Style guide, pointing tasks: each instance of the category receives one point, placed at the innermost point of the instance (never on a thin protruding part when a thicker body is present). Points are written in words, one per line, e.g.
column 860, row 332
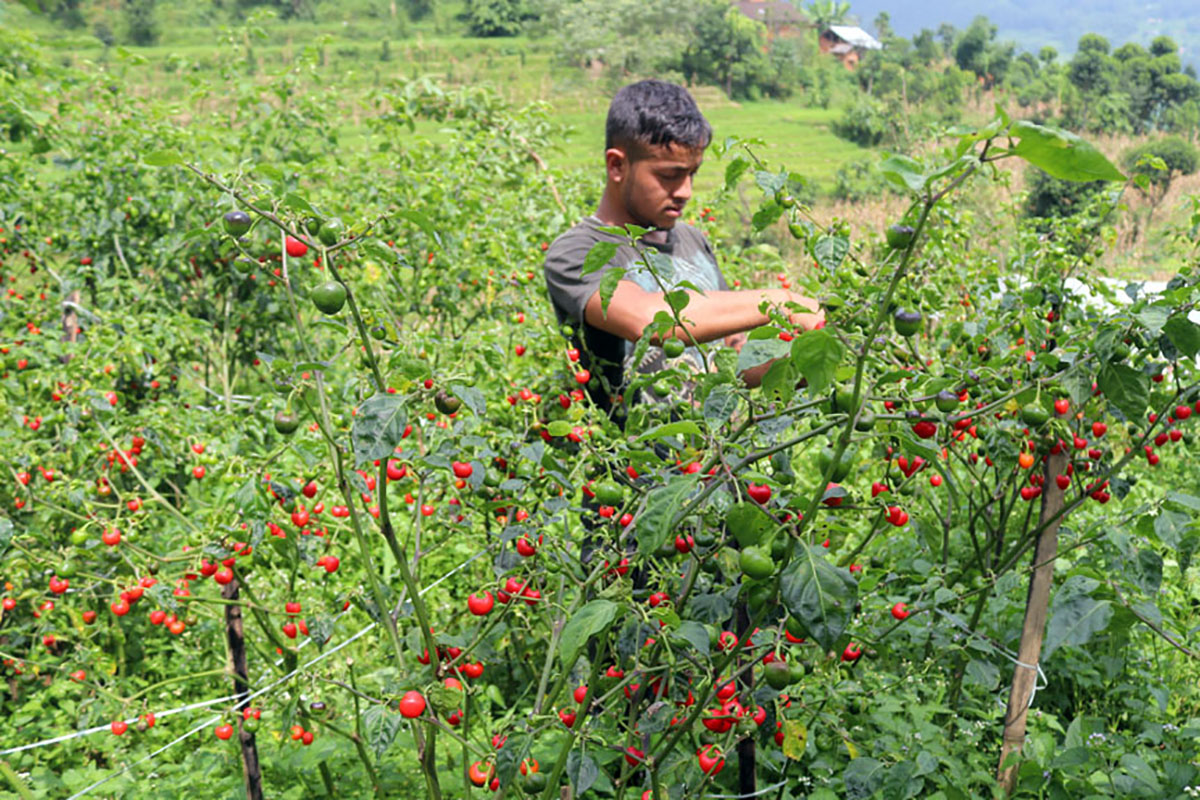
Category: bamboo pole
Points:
column 1034, row 630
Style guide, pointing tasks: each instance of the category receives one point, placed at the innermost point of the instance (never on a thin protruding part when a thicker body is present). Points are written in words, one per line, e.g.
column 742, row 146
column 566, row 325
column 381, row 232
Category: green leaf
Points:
column 829, row 251
column 600, row 254
column 581, row 772
column 378, row 428
column 1076, row 622
column 1184, row 334
column 6, row 534
column 1185, row 500
column 927, row 764
column 1154, row 318
column 817, row 354
column 904, row 172
column 1170, row 525
column 381, row 724
column 770, row 182
column 983, row 673
column 1126, row 388
column 719, row 406
column 472, row 398
column 320, row 630
column 422, row 222
column 734, row 170
column 766, row 215
column 657, row 522
column 760, row 351
column 1072, row 757
column 559, row 427
column 694, row 634
column 1141, row 771
column 671, row 429
column 163, row 158
column 1147, row 571
column 608, row 285
column 591, row 620
column 298, row 203
column 863, row 777
column 820, row 595
column 780, row 380
column 678, row 300
column 1061, row 154
column 510, row 757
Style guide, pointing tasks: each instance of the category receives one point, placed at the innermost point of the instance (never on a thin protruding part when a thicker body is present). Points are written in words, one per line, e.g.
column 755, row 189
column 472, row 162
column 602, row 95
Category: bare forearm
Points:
column 753, row 376
column 716, row 315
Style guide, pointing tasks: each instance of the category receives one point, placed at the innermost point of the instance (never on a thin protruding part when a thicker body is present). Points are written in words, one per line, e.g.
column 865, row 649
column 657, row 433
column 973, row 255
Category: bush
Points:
column 859, row 180
column 104, row 33
column 141, row 25
column 864, row 123
column 1178, row 156
column 494, row 18
column 1054, row 197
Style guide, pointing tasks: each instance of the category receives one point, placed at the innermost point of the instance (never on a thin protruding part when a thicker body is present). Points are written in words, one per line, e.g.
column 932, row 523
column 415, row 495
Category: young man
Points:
column 654, row 143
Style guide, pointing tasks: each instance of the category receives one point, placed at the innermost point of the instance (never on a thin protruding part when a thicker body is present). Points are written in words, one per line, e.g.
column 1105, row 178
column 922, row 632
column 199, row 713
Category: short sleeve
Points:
column 569, row 288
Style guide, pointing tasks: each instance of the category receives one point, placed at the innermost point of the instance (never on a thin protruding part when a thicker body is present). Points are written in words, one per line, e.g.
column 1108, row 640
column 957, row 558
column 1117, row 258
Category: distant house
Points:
column 780, row 17
column 847, row 42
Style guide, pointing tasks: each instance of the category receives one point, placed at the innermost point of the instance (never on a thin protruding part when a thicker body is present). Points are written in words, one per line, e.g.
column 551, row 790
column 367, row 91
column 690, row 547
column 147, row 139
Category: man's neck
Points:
column 612, row 213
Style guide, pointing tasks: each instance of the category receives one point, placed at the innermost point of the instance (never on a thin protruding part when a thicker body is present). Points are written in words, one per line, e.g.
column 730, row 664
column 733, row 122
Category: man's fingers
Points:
column 809, row 322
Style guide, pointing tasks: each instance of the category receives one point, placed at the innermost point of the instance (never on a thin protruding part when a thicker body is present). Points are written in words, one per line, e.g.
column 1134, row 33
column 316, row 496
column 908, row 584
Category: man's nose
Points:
column 683, row 192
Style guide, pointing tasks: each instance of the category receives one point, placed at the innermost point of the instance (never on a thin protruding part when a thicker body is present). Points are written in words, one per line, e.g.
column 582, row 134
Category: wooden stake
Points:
column 1034, row 629
column 235, row 635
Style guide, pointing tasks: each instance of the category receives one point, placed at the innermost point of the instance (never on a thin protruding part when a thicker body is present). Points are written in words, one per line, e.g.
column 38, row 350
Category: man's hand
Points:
column 814, row 319
column 736, row 341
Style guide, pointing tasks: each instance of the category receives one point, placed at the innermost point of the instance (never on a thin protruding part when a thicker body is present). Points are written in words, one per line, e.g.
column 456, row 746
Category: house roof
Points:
column 856, row 36
column 772, row 11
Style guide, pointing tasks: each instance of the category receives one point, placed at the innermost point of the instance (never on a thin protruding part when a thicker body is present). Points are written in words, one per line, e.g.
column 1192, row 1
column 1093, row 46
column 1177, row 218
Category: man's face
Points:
column 656, row 187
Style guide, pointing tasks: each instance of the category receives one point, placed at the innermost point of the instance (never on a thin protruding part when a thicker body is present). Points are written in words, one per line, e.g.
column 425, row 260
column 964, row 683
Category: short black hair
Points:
column 654, row 112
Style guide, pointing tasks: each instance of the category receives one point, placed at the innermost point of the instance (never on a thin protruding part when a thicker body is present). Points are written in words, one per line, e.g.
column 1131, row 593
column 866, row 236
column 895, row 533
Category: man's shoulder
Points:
column 582, row 235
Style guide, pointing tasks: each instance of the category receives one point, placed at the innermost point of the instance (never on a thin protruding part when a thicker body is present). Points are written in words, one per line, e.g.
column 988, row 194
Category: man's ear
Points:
column 616, row 162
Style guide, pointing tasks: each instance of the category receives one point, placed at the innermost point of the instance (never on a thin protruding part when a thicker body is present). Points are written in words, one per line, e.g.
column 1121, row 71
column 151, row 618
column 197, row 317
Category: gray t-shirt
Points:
column 683, row 255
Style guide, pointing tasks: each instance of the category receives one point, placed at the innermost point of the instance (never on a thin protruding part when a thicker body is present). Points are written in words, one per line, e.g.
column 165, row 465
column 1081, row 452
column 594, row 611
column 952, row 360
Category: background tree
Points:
column 627, row 36
column 141, row 23
column 978, row 51
column 726, row 48
column 1157, row 164
column 494, row 17
column 883, row 27
column 824, row 13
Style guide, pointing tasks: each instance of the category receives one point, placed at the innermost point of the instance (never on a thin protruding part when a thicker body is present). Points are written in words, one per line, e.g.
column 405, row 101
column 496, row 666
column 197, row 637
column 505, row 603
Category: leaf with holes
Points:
column 819, row 595
column 657, row 522
column 378, row 428
column 829, row 251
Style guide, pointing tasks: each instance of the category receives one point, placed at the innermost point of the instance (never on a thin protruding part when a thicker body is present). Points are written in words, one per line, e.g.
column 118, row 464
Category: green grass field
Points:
column 521, row 69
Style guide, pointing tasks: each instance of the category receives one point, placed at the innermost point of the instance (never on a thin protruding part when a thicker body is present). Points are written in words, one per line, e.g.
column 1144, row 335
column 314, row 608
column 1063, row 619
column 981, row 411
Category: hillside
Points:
column 1033, row 25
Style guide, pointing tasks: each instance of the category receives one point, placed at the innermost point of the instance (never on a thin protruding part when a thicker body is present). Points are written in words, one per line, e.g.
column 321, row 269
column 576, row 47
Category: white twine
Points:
column 752, row 794
column 205, row 703
column 1004, row 651
column 208, row 722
